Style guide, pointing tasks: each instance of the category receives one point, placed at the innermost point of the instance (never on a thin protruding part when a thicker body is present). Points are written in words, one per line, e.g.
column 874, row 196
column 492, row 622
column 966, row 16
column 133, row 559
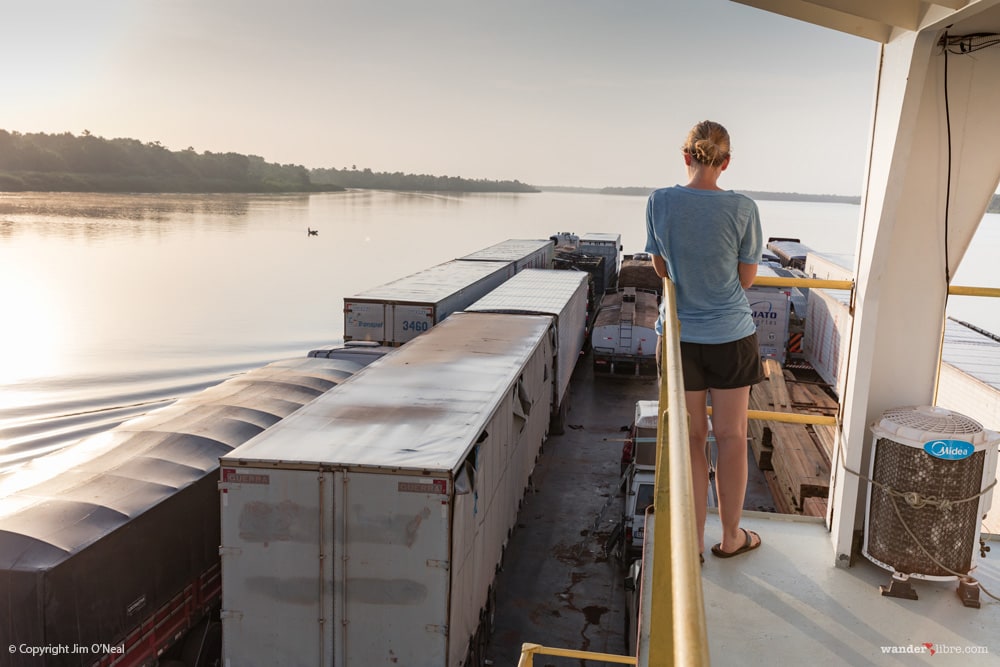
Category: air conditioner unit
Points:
column 929, row 466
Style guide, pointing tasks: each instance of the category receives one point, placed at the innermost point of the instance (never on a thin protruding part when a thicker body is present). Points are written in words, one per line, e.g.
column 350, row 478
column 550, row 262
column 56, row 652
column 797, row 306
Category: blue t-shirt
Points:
column 703, row 235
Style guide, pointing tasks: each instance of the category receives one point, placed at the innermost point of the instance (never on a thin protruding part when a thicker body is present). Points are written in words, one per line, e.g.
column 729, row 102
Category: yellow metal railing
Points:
column 961, row 290
column 529, row 651
column 676, row 624
column 778, row 281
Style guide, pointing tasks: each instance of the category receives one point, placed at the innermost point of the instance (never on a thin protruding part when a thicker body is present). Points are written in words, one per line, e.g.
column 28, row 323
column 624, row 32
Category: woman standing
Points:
column 708, row 241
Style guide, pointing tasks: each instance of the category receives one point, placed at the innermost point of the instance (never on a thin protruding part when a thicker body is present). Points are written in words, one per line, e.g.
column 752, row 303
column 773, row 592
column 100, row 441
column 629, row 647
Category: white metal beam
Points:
column 826, row 17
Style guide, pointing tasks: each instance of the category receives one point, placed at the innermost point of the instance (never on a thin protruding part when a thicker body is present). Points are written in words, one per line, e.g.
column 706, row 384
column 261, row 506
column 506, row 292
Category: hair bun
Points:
column 708, row 143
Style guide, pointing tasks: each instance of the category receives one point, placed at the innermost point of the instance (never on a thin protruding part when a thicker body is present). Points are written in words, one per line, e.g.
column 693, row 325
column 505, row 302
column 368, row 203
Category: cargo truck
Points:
column 561, row 295
column 623, row 340
column 112, row 544
column 400, row 310
column 366, row 529
column 525, row 253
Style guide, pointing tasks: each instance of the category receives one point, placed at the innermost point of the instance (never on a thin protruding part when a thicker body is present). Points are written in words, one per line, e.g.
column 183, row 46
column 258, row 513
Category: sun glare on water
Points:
column 30, row 331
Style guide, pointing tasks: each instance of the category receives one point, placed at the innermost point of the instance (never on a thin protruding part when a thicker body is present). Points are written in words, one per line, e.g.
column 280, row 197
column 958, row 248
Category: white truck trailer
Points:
column 561, row 295
column 366, row 529
column 525, row 253
column 400, row 310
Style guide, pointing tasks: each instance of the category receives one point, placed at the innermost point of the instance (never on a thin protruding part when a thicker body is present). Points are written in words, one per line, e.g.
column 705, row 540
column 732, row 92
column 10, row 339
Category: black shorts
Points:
column 722, row 365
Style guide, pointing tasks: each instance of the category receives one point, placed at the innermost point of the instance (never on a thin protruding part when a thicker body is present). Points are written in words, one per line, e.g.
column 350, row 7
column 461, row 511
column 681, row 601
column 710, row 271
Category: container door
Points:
column 411, row 321
column 277, row 551
column 365, row 321
column 395, row 570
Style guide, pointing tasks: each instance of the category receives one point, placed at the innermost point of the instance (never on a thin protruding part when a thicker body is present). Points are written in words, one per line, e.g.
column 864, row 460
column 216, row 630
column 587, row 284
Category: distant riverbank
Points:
column 754, row 194
column 994, row 206
column 40, row 162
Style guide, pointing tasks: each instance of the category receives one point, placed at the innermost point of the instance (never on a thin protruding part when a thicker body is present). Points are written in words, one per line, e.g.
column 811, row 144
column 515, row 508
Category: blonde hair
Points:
column 707, row 143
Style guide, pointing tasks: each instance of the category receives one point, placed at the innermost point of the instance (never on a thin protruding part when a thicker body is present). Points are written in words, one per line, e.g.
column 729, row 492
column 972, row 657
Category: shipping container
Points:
column 367, row 528
column 524, row 253
column 770, row 307
column 608, row 246
column 113, row 542
column 400, row 310
column 561, row 295
column 827, row 335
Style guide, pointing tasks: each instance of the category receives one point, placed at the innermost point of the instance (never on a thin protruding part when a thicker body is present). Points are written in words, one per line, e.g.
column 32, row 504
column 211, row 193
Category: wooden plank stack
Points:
column 795, row 458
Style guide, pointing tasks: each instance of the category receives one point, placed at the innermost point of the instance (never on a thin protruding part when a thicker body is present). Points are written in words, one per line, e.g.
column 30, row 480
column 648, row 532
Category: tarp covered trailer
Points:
column 112, row 544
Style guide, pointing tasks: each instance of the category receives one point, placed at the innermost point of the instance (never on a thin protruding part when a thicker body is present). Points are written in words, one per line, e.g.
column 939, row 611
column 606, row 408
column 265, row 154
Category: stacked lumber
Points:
column 814, row 507
column 795, row 458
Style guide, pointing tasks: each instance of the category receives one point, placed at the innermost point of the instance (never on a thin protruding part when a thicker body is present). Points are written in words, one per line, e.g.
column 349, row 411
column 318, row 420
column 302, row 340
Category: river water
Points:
column 112, row 305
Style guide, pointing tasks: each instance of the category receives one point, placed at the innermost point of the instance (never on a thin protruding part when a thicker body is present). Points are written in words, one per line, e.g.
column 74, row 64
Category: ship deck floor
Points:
column 786, row 602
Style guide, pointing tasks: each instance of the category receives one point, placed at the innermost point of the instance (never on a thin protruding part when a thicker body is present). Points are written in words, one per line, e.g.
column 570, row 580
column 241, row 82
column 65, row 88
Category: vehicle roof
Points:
column 510, row 250
column 420, row 408
column 435, row 283
column 58, row 504
column 533, row 290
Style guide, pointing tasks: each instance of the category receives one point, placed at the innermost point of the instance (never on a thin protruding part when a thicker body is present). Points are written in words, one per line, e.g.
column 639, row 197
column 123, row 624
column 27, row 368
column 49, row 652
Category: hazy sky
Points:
column 551, row 92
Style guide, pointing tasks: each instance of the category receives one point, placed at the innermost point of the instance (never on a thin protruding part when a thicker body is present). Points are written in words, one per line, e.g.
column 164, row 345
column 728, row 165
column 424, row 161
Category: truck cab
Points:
column 639, row 465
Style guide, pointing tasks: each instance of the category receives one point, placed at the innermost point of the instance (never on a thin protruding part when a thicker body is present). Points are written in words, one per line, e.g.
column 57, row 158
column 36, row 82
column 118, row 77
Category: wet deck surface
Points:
column 785, row 602
column 558, row 586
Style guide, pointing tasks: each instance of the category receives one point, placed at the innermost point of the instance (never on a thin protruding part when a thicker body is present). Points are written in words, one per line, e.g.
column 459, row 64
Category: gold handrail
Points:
column 529, row 651
column 790, row 417
column 823, row 283
column 962, row 290
column 676, row 627
column 779, row 281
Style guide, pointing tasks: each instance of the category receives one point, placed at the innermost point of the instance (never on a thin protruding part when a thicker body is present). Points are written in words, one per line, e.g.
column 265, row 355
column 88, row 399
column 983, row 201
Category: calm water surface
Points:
column 112, row 305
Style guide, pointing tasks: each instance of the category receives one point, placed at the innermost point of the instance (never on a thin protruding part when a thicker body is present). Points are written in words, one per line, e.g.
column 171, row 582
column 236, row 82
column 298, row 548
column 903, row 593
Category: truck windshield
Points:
column 643, row 498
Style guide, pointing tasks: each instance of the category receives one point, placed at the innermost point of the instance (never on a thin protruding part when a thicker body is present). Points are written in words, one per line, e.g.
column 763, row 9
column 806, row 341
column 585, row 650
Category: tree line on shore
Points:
column 993, row 207
column 366, row 178
column 87, row 163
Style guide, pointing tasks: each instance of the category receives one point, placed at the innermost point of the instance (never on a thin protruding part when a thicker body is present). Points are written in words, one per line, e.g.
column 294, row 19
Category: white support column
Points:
column 901, row 275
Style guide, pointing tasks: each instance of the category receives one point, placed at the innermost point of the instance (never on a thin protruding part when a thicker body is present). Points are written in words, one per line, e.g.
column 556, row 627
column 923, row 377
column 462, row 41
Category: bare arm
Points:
column 747, row 273
column 660, row 266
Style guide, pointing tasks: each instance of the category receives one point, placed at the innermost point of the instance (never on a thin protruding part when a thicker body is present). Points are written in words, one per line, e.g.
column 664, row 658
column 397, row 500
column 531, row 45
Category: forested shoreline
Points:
column 67, row 163
column 366, row 178
column 86, row 163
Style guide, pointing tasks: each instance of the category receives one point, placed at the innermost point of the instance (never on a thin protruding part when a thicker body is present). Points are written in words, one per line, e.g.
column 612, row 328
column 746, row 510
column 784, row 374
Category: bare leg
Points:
column 697, row 437
column 729, row 425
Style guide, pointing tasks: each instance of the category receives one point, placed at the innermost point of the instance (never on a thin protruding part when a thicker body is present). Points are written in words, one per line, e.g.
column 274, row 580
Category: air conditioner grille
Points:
column 932, row 420
column 947, row 534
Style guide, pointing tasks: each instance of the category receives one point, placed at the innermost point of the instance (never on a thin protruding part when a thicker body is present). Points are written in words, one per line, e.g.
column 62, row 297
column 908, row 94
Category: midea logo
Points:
column 949, row 450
